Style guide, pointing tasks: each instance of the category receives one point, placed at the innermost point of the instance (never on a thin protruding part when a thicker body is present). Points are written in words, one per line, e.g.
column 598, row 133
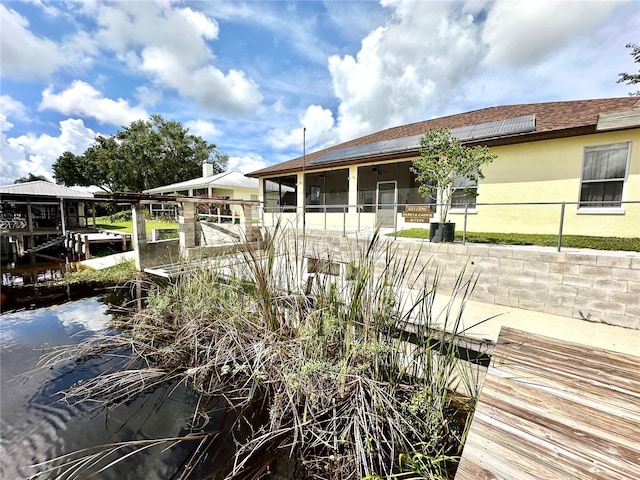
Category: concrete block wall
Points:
column 593, row 286
column 162, row 252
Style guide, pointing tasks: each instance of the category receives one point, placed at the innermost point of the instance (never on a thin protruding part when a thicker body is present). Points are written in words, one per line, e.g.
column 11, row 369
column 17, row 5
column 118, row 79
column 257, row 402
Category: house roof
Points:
column 41, row 188
column 551, row 120
column 229, row 180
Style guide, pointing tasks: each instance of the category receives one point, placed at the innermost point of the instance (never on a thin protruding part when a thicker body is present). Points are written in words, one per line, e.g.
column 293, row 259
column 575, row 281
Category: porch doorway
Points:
column 386, row 204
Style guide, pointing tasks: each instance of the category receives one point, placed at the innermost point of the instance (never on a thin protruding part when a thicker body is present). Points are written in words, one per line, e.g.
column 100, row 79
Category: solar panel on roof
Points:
column 501, row 128
column 385, row 146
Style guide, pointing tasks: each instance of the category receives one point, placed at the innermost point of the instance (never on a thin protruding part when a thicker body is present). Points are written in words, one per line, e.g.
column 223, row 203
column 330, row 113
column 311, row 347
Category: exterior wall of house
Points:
column 244, row 193
column 537, row 172
column 550, row 171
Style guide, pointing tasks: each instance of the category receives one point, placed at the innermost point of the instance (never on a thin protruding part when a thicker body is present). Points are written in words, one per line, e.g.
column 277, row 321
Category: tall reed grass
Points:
column 316, row 367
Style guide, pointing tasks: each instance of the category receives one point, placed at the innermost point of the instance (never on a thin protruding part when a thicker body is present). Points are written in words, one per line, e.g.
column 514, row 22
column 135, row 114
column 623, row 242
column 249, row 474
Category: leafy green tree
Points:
column 146, row 154
column 32, row 178
column 443, row 159
column 632, row 78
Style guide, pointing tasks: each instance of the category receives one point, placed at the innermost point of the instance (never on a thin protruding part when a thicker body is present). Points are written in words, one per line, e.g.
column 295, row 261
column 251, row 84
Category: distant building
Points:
column 225, row 185
column 33, row 213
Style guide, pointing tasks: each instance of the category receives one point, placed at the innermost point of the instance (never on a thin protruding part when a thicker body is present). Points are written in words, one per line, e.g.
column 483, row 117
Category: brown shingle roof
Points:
column 552, row 119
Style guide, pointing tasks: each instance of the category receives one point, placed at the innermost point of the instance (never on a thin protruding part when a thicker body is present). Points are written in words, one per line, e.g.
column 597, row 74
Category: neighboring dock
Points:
column 552, row 409
column 80, row 242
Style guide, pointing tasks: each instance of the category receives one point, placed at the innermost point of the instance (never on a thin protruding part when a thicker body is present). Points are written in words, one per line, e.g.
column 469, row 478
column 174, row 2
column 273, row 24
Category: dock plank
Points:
column 551, row 409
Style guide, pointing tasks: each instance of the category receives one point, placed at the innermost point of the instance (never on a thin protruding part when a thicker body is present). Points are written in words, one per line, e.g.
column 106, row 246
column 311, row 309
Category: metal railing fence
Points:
column 362, row 217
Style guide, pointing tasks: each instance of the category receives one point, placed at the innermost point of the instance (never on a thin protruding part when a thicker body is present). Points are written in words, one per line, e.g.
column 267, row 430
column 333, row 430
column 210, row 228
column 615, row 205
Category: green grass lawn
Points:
column 127, row 226
column 568, row 241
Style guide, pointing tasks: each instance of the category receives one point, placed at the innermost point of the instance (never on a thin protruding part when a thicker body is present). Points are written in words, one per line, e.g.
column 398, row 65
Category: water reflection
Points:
column 33, row 269
column 37, row 425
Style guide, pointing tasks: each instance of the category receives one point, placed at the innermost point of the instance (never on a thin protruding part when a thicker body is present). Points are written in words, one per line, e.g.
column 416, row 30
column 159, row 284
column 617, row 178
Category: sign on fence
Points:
column 417, row 213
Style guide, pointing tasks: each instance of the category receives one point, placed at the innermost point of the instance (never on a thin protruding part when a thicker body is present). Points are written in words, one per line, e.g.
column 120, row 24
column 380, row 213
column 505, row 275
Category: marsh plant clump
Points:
column 316, row 369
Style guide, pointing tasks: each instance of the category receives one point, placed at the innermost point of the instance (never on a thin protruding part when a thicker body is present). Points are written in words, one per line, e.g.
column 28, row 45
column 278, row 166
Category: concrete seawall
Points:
column 595, row 286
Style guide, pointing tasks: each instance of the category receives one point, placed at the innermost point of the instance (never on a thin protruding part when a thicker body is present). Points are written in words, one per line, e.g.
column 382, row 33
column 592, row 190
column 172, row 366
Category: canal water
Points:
column 36, row 424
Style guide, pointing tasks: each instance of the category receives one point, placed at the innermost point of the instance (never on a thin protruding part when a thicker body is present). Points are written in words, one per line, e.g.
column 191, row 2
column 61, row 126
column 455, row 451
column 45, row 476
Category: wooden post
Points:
column 139, row 235
column 87, row 253
column 29, row 217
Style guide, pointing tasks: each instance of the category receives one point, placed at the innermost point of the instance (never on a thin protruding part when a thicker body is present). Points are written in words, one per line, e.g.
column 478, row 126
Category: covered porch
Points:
column 358, row 197
column 39, row 213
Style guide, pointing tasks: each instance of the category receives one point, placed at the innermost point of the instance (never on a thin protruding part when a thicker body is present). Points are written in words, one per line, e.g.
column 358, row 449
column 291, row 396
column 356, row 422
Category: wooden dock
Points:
column 551, row 409
column 80, row 242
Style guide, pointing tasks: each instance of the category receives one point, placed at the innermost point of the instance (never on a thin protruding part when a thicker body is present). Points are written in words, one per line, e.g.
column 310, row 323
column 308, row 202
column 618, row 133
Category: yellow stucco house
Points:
column 584, row 153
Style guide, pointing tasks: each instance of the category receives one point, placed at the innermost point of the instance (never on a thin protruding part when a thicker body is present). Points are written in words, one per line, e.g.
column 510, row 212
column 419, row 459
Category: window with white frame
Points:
column 604, row 171
column 463, row 192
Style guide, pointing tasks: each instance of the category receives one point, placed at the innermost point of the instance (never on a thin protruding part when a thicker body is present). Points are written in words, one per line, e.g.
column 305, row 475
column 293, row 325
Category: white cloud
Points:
column 36, row 154
column 84, row 100
column 319, row 123
column 12, row 108
column 405, row 67
column 130, row 25
column 403, row 70
column 48, row 8
column 206, row 27
column 5, row 125
column 43, row 57
column 148, row 96
column 170, row 44
column 246, row 164
column 583, row 65
column 210, row 87
column 437, row 58
column 521, row 32
column 92, row 315
column 202, row 128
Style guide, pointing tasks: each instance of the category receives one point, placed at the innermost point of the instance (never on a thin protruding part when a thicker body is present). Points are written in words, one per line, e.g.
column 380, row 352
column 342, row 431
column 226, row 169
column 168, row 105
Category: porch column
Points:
column 63, row 220
column 187, row 227
column 29, row 216
column 82, row 214
column 353, row 188
column 139, row 236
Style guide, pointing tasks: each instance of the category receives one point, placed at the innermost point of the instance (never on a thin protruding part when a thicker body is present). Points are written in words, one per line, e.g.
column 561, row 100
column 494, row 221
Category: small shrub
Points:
column 122, row 216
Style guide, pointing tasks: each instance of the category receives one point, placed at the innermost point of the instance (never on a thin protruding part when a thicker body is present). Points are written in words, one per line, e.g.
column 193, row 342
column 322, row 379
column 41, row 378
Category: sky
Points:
column 250, row 76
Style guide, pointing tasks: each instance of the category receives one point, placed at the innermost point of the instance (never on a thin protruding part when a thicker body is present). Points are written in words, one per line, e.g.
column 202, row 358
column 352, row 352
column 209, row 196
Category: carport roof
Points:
column 41, row 188
column 229, row 179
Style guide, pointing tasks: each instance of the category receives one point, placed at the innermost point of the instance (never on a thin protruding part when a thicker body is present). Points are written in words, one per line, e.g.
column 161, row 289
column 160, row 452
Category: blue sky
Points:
column 249, row 76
